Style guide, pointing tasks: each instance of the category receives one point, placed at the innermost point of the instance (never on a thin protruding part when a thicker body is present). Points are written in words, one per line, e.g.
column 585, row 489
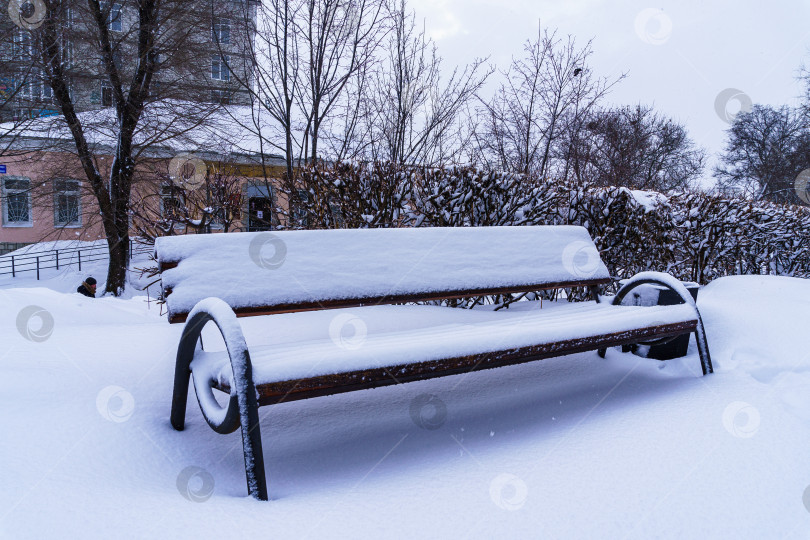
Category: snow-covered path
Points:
column 570, row 447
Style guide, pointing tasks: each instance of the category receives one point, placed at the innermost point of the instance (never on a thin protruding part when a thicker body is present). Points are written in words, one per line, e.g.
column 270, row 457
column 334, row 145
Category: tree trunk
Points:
column 119, row 262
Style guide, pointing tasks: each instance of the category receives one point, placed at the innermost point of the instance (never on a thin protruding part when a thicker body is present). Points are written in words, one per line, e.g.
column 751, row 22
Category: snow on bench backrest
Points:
column 265, row 272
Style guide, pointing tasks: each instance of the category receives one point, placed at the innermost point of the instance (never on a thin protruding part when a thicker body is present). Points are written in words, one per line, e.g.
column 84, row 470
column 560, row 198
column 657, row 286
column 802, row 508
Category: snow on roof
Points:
column 298, row 267
column 174, row 126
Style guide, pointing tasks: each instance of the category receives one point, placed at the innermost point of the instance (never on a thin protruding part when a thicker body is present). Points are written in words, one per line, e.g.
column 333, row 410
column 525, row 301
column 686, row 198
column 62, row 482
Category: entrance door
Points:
column 259, row 213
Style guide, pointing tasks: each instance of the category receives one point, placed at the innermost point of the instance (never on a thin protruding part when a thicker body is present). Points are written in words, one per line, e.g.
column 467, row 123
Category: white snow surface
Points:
column 650, row 200
column 571, row 447
column 265, row 269
column 69, row 277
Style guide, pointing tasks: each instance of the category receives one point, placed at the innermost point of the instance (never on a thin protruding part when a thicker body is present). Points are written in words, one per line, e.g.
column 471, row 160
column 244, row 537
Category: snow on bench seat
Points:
column 464, row 333
column 295, row 270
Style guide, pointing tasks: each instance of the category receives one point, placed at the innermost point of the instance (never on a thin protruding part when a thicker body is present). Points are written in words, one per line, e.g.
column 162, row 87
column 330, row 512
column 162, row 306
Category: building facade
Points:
column 44, row 196
column 202, row 54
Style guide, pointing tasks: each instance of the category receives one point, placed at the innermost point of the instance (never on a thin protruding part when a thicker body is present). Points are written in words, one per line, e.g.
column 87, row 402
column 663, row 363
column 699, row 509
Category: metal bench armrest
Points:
column 669, row 282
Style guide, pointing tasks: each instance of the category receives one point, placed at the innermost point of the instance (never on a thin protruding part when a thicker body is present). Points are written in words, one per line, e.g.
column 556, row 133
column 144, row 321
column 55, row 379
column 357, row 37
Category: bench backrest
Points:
column 276, row 272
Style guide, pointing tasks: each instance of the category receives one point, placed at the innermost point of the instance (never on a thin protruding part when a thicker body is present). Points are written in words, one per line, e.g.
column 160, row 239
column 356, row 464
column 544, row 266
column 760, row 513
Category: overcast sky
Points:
column 679, row 55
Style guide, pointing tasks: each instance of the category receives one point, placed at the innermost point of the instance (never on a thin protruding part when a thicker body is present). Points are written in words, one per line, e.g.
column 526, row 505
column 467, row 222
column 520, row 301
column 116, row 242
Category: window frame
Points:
column 221, row 61
column 118, row 20
column 23, row 43
column 300, row 210
column 108, row 87
column 33, row 87
column 220, row 96
column 218, row 24
column 174, row 194
column 57, row 193
column 5, row 202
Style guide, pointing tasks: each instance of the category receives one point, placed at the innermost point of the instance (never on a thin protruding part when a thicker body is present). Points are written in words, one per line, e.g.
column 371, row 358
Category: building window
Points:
column 221, row 30
column 67, row 203
column 67, row 53
column 118, row 61
column 23, row 44
column 106, row 95
column 260, row 208
column 171, row 202
column 155, row 88
column 223, row 97
column 34, row 86
column 19, row 113
column 114, row 16
column 219, row 68
column 17, row 201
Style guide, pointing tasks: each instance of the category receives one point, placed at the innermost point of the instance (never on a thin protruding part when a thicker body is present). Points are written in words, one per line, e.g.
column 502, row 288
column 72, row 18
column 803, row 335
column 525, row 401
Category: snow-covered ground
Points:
column 68, row 277
column 570, row 447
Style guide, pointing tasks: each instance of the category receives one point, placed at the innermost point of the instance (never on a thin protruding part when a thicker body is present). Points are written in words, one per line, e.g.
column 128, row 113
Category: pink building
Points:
column 45, row 195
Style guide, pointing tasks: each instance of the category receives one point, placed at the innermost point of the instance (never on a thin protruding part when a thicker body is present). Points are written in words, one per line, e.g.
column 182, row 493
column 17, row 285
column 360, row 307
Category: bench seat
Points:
column 465, row 340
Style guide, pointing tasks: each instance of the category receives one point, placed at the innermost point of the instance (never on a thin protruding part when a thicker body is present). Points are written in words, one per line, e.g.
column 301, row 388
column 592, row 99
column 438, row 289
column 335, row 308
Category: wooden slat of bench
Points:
column 397, row 299
column 273, row 393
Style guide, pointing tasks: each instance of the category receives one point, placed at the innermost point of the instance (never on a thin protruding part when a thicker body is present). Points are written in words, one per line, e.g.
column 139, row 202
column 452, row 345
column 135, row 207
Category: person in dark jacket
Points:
column 88, row 287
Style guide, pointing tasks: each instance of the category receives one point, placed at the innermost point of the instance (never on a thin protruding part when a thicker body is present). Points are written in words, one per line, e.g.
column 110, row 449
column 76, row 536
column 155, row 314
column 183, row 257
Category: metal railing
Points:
column 62, row 258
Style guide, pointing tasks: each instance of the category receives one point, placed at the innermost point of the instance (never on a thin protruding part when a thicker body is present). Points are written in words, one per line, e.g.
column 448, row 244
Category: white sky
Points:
column 686, row 54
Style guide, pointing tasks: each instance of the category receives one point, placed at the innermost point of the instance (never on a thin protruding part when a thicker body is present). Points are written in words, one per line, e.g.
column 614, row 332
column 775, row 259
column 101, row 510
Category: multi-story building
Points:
column 202, row 54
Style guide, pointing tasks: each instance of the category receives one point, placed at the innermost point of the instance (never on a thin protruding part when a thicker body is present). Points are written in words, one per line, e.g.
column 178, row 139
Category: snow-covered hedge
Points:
column 694, row 235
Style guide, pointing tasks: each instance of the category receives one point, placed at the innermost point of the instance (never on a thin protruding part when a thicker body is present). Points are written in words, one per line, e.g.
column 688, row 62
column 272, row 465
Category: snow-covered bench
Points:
column 221, row 277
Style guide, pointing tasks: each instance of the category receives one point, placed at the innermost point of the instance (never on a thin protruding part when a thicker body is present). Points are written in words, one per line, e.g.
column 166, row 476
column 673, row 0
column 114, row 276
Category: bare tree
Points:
column 634, row 147
column 525, row 120
column 766, row 149
column 414, row 111
column 274, row 62
column 340, row 38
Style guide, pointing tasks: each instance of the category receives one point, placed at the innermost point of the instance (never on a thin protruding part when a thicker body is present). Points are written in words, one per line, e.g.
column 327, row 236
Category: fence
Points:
column 61, row 258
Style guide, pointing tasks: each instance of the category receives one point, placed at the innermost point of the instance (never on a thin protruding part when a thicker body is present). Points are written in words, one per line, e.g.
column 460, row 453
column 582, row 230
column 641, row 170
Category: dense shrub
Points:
column 692, row 235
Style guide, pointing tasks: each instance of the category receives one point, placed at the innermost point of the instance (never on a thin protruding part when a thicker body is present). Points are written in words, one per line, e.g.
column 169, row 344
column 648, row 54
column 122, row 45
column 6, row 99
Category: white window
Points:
column 171, row 202
column 34, row 86
column 20, row 113
column 23, row 44
column 67, row 53
column 106, row 94
column 67, row 42
column 45, row 90
column 221, row 30
column 222, row 97
column 219, row 68
column 114, row 16
column 66, row 203
column 16, row 201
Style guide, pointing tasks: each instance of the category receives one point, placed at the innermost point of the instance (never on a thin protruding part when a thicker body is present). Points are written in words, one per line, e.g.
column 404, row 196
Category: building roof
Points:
column 166, row 128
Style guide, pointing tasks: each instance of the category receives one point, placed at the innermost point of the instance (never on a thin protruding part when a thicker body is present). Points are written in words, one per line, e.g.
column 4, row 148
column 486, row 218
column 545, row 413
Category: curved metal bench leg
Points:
column 247, row 400
column 703, row 348
column 182, row 370
column 251, row 431
column 677, row 287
